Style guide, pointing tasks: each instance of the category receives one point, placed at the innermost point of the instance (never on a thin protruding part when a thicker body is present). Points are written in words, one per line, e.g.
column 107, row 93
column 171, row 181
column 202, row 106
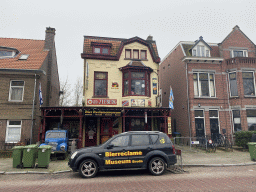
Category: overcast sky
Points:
column 168, row 21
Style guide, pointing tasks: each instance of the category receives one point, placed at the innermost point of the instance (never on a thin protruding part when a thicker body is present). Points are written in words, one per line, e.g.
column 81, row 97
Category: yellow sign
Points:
column 119, row 162
column 169, row 125
column 122, row 154
column 99, row 113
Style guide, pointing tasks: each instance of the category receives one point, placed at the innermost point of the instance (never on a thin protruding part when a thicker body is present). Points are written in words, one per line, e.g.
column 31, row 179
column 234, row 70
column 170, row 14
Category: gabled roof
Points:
column 201, row 40
column 235, row 29
column 33, row 48
column 116, row 46
column 187, row 47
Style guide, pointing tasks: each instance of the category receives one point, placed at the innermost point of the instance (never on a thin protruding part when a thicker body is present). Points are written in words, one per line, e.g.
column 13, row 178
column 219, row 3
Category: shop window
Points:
column 100, row 84
column 16, row 91
column 204, row 85
column 13, row 131
column 236, row 120
column 136, row 83
column 233, row 84
column 248, row 82
column 140, row 140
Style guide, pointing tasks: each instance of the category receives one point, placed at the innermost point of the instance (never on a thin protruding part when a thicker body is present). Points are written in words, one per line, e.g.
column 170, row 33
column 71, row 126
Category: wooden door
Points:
column 106, row 129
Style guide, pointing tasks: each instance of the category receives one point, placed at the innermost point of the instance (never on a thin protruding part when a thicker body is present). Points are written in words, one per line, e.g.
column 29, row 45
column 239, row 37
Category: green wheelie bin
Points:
column 252, row 150
column 44, row 154
column 17, row 153
column 29, row 155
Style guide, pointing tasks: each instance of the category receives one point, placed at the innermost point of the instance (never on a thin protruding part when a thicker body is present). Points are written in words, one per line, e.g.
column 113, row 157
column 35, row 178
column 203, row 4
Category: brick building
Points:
column 213, row 85
column 24, row 64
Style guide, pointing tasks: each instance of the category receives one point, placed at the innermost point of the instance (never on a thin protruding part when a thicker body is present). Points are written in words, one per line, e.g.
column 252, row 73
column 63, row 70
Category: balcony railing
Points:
column 241, row 60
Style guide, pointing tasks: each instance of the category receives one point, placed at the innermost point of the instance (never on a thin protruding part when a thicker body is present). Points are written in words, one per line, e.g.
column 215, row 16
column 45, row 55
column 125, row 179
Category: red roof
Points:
column 33, row 48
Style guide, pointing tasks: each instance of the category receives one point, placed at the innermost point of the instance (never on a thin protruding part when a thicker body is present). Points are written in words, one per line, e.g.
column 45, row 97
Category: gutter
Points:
column 188, row 106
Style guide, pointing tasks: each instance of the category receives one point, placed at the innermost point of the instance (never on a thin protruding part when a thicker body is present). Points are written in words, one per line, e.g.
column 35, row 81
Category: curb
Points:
column 218, row 165
column 65, row 171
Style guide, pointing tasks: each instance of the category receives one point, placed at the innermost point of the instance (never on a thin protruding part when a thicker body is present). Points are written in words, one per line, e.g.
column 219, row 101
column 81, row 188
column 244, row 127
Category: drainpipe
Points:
column 33, row 109
column 188, row 107
column 229, row 110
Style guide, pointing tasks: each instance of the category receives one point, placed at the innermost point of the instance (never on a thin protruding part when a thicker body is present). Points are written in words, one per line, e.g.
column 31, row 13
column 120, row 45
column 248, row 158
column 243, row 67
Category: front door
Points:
column 106, row 129
column 199, row 127
column 214, row 128
column 91, row 132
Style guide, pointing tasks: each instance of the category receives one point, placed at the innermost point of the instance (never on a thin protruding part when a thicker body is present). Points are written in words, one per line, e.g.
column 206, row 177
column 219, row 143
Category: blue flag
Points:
column 40, row 95
column 171, row 99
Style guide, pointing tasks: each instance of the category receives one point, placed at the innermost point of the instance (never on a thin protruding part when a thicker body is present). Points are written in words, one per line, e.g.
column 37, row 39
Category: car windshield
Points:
column 55, row 135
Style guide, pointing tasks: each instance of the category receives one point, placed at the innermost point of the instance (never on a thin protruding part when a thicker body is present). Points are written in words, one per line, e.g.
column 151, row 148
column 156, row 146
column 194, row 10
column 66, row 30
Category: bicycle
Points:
column 211, row 147
column 219, row 140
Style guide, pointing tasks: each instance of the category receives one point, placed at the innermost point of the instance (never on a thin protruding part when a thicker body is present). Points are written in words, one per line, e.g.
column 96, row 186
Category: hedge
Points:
column 243, row 137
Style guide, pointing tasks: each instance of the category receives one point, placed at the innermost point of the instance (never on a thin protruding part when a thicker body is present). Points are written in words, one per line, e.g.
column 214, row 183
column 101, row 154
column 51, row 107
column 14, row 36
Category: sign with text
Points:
column 138, row 102
column 101, row 101
column 102, row 113
column 169, row 125
column 195, row 142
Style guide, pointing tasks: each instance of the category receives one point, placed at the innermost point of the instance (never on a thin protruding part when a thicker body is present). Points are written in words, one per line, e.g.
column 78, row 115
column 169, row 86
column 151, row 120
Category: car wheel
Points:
column 157, row 166
column 88, row 168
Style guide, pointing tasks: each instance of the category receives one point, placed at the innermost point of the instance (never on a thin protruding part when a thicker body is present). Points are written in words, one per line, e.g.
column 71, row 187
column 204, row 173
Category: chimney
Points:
column 150, row 38
column 49, row 38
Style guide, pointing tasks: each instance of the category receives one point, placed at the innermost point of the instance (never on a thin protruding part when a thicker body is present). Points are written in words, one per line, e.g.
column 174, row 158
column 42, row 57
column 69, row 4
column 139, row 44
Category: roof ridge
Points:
column 22, row 39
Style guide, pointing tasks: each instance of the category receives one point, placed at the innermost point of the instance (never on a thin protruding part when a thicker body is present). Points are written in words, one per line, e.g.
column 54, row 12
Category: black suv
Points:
column 151, row 150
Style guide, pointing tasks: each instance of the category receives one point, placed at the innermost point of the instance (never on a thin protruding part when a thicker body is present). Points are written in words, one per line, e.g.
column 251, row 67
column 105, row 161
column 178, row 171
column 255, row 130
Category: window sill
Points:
column 196, row 97
column 135, row 59
column 15, row 101
column 249, row 96
column 100, row 97
column 234, row 97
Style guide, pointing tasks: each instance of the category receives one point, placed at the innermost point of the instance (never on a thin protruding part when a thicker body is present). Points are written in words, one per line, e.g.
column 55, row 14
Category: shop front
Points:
column 91, row 126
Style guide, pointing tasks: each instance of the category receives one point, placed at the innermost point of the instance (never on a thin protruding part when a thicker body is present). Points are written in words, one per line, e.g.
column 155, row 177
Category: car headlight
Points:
column 73, row 155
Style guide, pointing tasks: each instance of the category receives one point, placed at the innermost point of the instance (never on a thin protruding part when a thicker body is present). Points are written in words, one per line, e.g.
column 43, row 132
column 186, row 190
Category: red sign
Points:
column 125, row 103
column 101, row 101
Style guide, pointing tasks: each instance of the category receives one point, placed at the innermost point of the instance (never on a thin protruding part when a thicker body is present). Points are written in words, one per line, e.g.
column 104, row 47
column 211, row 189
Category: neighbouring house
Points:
column 213, row 85
column 25, row 65
column 120, row 93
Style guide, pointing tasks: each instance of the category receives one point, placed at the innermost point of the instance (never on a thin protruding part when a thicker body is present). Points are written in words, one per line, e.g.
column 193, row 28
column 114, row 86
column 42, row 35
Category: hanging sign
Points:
column 169, row 125
column 154, row 86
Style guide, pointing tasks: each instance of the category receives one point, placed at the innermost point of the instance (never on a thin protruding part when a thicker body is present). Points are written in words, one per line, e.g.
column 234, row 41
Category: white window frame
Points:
column 12, row 126
column 245, row 52
column 233, row 119
column 253, row 82
column 202, row 49
column 201, row 118
column 10, row 91
column 230, row 84
column 199, row 87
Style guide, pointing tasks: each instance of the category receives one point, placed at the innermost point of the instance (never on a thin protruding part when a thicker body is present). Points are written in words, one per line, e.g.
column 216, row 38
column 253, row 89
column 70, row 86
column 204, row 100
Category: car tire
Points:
column 157, row 166
column 88, row 168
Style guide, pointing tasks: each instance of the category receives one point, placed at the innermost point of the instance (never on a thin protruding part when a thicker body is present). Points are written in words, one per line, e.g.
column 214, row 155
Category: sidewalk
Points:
column 193, row 157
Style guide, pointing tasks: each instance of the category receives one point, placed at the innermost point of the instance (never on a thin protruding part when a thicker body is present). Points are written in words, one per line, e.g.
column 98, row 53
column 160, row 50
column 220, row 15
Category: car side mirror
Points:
column 110, row 146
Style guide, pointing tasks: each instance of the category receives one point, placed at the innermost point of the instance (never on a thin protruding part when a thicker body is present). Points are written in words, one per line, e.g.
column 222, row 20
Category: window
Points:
column 251, row 120
column 135, row 54
column 194, row 53
column 248, row 82
column 143, row 54
column 16, row 91
column 128, row 54
column 236, row 120
column 154, row 138
column 121, row 141
column 207, row 53
column 136, row 83
column 204, row 84
column 13, row 131
column 239, row 53
column 6, row 54
column 139, row 140
column 23, row 57
column 200, row 51
column 101, row 50
column 100, row 84
column 233, row 84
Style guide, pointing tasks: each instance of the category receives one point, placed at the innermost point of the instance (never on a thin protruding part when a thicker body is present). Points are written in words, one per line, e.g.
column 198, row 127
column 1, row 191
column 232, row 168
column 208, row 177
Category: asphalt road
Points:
column 238, row 178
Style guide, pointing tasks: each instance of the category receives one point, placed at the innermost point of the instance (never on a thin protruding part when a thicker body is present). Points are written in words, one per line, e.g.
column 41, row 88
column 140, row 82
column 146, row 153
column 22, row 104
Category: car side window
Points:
column 140, row 140
column 121, row 141
column 154, row 138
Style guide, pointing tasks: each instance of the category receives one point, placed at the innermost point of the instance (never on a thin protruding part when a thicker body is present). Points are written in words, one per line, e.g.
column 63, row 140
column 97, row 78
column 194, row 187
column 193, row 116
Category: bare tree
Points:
column 65, row 97
column 78, row 92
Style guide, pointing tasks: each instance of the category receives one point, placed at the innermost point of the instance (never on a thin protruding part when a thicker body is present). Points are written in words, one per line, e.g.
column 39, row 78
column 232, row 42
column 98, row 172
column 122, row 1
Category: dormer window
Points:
column 101, row 48
column 200, row 51
column 6, row 54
